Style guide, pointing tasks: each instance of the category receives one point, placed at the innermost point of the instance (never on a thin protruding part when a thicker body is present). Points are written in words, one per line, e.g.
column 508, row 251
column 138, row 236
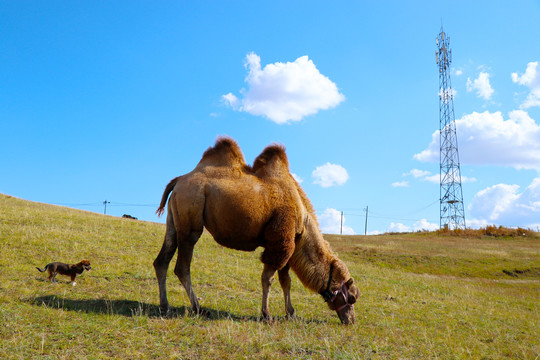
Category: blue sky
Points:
column 109, row 100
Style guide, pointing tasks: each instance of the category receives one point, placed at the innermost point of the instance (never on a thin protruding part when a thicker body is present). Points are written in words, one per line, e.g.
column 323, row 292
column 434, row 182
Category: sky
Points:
column 109, row 100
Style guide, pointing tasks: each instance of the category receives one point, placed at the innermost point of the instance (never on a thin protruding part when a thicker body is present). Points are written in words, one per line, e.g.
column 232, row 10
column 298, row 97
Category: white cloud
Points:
column 397, row 227
column 400, row 184
column 330, row 174
column 436, row 179
column 504, row 204
column 467, row 179
column 330, row 222
column 285, row 92
column 459, row 72
column 417, row 173
column 425, row 225
column 477, row 223
column 424, row 175
column 488, row 139
column 531, row 79
column 490, row 202
column 481, row 85
column 420, row 225
column 231, row 100
column 297, row 178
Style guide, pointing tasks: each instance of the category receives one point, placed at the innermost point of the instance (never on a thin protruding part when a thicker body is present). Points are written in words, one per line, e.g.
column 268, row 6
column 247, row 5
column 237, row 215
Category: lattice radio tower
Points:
column 451, row 195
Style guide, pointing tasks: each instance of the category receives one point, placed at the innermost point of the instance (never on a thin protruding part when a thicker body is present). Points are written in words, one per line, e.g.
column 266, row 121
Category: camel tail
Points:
column 168, row 189
column 44, row 269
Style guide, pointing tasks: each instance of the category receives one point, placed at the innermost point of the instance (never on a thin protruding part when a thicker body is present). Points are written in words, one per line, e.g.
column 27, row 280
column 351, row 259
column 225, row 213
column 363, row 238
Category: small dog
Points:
column 66, row 269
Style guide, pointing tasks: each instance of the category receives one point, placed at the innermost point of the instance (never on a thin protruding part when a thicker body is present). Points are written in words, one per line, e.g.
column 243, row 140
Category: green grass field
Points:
column 423, row 296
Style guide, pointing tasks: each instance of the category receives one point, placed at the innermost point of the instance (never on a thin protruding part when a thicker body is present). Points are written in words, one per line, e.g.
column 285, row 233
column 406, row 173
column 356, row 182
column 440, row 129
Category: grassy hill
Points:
column 423, row 295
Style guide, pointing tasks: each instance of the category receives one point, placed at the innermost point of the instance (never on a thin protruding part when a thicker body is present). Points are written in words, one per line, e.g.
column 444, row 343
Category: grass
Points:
column 423, row 295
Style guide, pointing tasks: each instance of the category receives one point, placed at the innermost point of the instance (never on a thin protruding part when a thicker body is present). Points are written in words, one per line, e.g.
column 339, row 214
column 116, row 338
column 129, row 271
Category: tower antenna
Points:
column 451, row 194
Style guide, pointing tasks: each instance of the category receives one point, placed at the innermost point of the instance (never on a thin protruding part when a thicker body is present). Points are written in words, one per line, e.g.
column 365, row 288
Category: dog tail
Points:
column 168, row 189
column 44, row 269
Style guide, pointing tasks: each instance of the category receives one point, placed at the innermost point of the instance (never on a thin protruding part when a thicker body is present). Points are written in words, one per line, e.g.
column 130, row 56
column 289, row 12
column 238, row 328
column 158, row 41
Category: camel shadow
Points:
column 129, row 308
column 132, row 308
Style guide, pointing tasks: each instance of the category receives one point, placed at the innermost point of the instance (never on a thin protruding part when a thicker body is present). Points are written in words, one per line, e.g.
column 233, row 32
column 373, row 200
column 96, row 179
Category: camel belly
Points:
column 236, row 230
column 235, row 217
column 238, row 244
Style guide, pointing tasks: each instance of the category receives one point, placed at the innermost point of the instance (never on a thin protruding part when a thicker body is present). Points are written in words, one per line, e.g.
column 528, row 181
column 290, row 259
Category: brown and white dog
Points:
column 66, row 269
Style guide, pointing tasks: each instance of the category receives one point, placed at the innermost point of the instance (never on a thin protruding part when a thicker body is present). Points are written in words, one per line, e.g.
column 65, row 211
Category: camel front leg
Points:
column 267, row 278
column 285, row 281
column 279, row 236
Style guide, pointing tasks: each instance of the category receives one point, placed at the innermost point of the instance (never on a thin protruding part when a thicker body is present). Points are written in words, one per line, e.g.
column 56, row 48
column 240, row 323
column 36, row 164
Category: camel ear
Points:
column 353, row 291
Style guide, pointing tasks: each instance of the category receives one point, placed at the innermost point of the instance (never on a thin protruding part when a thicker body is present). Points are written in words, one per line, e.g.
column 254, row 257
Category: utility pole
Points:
column 105, row 203
column 341, row 230
column 452, row 213
column 365, row 229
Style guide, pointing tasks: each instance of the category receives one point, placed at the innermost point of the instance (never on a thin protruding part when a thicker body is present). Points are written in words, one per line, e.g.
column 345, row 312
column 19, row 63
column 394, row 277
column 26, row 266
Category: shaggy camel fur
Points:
column 246, row 207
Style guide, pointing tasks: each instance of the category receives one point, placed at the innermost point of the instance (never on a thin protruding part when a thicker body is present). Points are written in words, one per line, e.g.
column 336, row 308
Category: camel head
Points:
column 343, row 301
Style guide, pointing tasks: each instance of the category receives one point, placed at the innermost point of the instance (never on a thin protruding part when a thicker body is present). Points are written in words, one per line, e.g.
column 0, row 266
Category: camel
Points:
column 245, row 207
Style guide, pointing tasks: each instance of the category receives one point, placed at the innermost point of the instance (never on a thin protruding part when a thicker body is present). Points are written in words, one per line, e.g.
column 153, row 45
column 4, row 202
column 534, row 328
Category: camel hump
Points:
column 273, row 160
column 225, row 152
column 266, row 166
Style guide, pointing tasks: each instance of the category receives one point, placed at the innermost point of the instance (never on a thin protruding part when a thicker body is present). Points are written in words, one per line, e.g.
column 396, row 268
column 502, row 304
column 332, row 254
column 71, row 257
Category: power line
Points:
column 128, row 205
column 343, row 213
column 101, row 203
column 374, row 214
column 399, row 219
column 79, row 204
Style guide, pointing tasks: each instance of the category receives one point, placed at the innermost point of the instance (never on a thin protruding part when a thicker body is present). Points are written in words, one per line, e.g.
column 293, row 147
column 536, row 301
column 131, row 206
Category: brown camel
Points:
column 246, row 207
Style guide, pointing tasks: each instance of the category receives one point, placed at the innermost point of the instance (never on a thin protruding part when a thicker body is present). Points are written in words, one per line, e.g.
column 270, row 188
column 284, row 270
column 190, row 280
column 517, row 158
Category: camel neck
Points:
column 312, row 258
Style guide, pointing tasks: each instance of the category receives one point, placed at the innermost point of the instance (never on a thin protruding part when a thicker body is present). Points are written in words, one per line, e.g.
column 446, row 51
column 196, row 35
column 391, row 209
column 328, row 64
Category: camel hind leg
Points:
column 189, row 224
column 186, row 244
column 161, row 263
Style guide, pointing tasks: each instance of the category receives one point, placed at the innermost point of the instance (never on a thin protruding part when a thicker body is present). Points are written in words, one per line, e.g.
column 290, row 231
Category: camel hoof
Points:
column 199, row 311
column 164, row 311
column 265, row 317
column 291, row 316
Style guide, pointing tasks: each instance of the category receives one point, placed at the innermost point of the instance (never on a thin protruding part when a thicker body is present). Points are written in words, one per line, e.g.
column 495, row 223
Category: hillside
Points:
column 423, row 295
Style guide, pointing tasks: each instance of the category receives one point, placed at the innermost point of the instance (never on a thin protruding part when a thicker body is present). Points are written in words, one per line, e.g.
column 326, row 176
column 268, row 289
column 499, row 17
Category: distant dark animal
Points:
column 66, row 269
column 126, row 216
column 245, row 207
